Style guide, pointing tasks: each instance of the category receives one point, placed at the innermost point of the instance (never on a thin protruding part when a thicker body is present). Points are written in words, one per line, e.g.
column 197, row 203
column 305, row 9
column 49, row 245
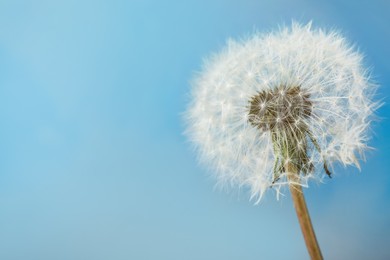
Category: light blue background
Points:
column 93, row 163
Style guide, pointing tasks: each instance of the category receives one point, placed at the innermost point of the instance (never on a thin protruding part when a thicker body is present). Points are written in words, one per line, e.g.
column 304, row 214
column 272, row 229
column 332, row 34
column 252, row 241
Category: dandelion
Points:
column 278, row 109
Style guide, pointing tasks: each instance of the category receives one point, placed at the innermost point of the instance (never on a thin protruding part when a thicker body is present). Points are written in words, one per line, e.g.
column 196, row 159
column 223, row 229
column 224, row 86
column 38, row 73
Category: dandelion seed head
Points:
column 301, row 84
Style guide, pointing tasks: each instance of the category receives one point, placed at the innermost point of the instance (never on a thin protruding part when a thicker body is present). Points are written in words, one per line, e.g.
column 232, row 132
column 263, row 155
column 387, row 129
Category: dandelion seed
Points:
column 303, row 78
column 293, row 94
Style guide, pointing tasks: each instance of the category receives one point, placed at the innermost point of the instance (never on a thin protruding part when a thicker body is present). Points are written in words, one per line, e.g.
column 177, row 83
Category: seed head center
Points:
column 280, row 108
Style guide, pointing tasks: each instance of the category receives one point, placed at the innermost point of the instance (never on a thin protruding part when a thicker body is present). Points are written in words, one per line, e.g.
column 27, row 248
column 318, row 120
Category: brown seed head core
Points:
column 279, row 108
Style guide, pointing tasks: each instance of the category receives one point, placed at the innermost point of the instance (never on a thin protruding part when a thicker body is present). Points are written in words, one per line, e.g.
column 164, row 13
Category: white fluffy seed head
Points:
column 321, row 63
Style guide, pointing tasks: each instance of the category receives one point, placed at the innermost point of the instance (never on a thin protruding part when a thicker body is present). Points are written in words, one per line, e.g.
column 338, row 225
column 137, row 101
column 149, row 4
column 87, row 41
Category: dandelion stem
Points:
column 303, row 213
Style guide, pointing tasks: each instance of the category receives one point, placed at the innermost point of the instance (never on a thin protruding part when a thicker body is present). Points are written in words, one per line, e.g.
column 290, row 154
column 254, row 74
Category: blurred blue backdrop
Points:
column 93, row 163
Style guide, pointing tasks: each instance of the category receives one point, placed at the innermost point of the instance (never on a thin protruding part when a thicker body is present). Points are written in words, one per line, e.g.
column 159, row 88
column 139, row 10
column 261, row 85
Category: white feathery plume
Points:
column 297, row 85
